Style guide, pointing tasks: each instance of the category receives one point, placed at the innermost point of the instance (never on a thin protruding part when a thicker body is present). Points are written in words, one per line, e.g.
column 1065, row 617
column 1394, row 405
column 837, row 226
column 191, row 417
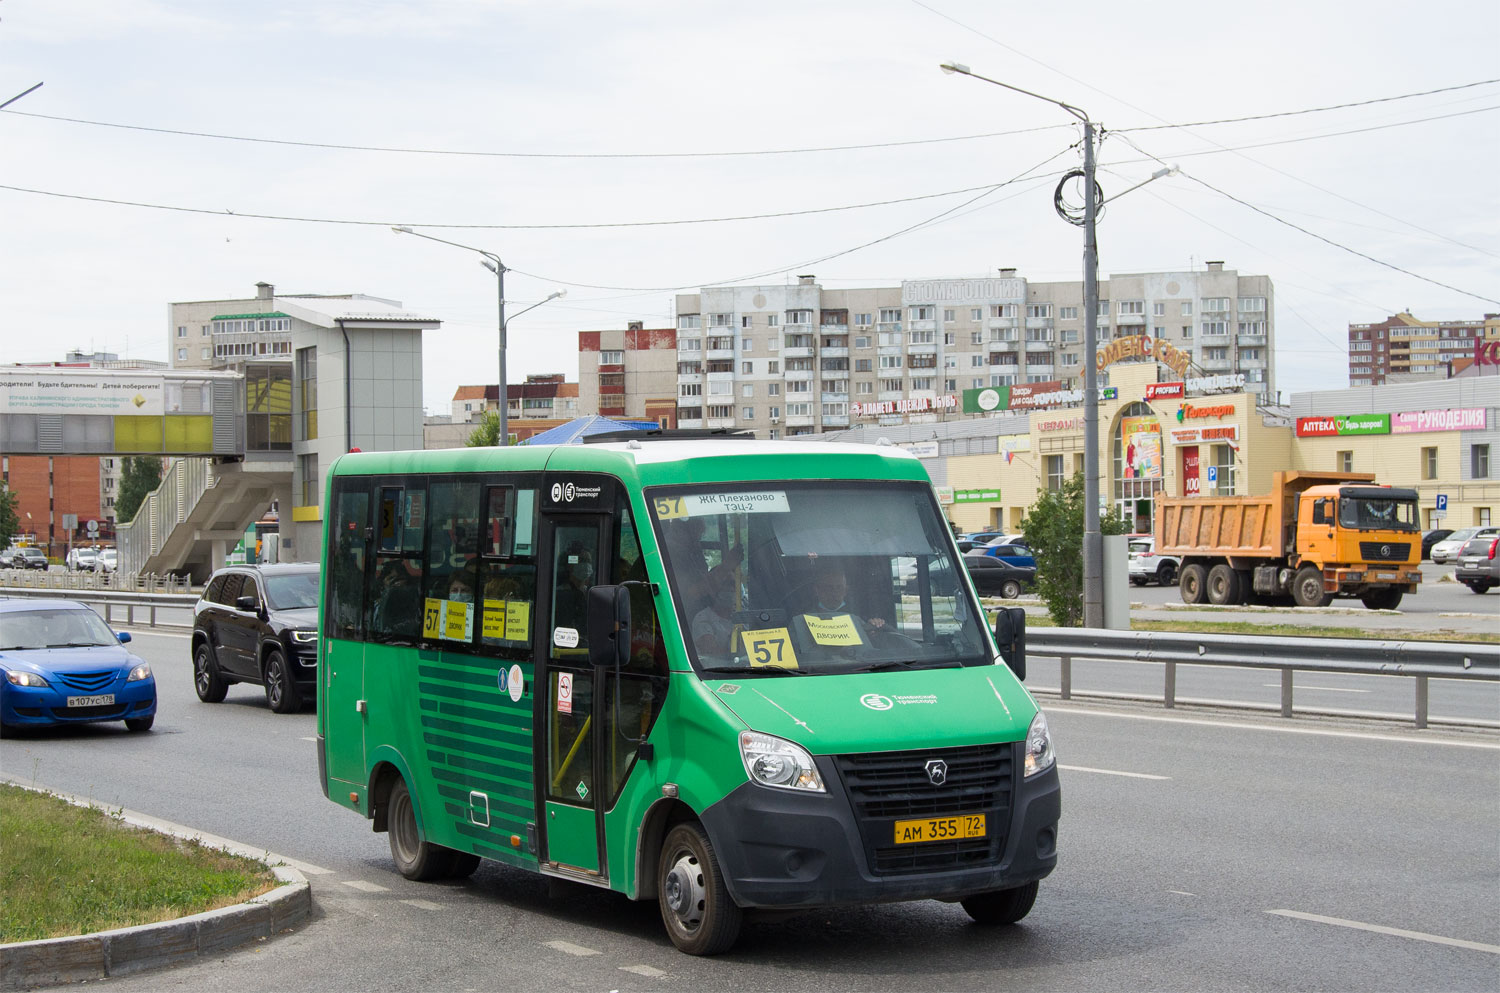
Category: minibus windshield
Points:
column 815, row 578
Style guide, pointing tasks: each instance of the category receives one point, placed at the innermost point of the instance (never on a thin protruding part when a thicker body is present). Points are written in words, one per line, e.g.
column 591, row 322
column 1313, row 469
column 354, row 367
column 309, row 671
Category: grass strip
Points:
column 67, row 870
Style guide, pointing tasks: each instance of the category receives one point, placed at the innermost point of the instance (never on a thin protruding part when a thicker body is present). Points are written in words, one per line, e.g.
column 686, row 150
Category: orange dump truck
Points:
column 1313, row 537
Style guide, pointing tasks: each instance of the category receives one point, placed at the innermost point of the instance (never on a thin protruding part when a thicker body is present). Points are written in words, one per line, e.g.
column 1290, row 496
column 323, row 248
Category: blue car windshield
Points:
column 53, row 628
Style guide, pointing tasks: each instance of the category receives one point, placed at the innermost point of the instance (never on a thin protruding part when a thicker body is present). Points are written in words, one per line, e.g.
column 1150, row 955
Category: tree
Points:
column 488, row 431
column 1054, row 532
column 10, row 520
column 138, row 477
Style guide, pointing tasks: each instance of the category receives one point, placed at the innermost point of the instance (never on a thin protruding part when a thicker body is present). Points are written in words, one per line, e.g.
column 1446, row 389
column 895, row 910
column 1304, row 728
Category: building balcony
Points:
column 796, row 353
column 1003, row 346
column 693, row 422
column 835, row 420
column 1038, row 322
column 1004, row 322
column 611, row 367
column 1214, row 365
column 1251, row 339
column 835, row 397
column 800, row 375
column 888, row 327
column 835, row 352
column 1134, row 320
column 689, row 377
column 826, row 328
column 921, row 325
column 1252, row 363
column 1039, row 370
column 719, row 422
column 891, row 395
column 719, row 353
column 889, row 350
column 797, row 328
column 799, row 421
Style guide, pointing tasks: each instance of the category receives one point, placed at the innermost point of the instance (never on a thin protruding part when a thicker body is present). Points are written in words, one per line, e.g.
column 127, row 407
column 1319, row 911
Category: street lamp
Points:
column 1093, row 541
column 492, row 262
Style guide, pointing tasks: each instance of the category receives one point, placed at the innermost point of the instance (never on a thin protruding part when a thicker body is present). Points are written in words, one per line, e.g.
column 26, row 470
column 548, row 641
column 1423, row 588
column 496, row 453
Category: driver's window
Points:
column 575, row 557
column 250, row 590
column 1320, row 511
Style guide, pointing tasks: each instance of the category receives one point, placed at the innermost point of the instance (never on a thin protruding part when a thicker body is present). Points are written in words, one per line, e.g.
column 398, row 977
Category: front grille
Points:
column 86, row 681
column 1384, row 551
column 85, row 713
column 885, row 787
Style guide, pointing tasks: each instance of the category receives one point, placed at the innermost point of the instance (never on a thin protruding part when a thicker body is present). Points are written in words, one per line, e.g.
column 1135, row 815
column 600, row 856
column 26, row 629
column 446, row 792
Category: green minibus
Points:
column 722, row 674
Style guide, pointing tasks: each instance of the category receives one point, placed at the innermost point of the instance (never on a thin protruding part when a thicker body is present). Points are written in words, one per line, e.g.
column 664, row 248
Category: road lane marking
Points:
column 1325, row 689
column 1111, row 772
column 360, row 884
column 1415, row 739
column 643, row 970
column 1182, row 892
column 1436, row 939
column 423, row 904
column 571, row 949
column 310, row 739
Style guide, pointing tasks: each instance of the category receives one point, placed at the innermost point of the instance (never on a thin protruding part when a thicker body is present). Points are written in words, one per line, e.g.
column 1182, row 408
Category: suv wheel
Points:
column 210, row 685
column 281, row 689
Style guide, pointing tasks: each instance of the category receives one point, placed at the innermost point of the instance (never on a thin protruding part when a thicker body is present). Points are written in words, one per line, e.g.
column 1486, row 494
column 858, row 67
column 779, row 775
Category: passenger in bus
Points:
column 570, row 603
column 712, row 627
column 397, row 610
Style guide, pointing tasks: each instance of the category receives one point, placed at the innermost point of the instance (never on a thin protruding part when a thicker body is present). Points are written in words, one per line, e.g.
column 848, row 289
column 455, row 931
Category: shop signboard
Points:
column 1191, row 485
column 1141, row 436
column 906, row 405
column 944, row 494
column 1192, row 411
column 1319, row 427
column 987, row 400
column 976, row 495
column 1460, row 419
column 1144, row 346
column 1166, row 391
column 1203, row 436
column 1217, row 384
column 1019, row 396
column 923, row 449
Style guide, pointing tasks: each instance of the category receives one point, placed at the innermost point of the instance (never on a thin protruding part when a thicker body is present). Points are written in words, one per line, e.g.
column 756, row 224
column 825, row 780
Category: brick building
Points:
column 48, row 489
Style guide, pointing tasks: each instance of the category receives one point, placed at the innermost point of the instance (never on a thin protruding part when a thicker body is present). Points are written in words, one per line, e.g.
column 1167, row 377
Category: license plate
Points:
column 1471, row 563
column 940, row 829
column 101, row 700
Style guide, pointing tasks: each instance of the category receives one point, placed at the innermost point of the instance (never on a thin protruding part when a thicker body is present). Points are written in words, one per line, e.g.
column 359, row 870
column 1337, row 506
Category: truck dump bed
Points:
column 1244, row 526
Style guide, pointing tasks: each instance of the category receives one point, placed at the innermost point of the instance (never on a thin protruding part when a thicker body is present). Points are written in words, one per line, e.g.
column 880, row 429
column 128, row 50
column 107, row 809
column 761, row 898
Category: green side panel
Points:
column 572, row 838
column 341, row 676
column 138, row 434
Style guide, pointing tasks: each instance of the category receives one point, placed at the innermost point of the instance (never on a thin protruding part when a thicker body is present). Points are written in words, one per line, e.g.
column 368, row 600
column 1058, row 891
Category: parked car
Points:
column 258, row 624
column 1012, row 547
column 109, row 560
column 1432, row 537
column 1479, row 563
column 997, row 576
column 968, row 542
column 61, row 664
column 27, row 557
column 1148, row 567
column 81, row 559
column 1447, row 549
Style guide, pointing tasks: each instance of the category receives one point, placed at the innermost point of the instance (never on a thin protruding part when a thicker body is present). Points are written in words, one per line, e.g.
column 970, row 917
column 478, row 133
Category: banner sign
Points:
column 1216, row 384
column 1142, row 437
column 1143, row 346
column 1462, row 419
column 1166, row 391
column 1059, row 424
column 906, row 405
column 50, row 392
column 1194, row 436
column 976, row 496
column 1318, row 427
column 1190, row 411
column 923, row 449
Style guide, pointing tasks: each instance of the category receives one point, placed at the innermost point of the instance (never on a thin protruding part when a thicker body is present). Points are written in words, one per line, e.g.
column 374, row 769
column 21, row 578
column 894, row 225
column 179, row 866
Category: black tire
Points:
column 1166, row 574
column 210, row 685
column 700, row 916
column 1191, row 583
column 140, row 723
column 1480, row 586
column 1223, row 585
column 1307, row 588
column 1137, row 580
column 1010, row 589
column 1001, row 906
column 464, row 864
column 414, row 858
column 281, row 689
column 1386, row 599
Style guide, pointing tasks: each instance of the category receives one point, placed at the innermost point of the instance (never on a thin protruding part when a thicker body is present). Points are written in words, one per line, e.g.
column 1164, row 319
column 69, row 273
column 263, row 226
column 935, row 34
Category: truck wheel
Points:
column 1001, row 906
column 1386, row 599
column 1223, row 585
column 1307, row 587
column 1190, row 584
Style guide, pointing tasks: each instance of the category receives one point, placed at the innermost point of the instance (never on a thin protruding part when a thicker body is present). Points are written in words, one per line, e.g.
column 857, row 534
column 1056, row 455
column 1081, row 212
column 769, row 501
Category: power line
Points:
column 1313, row 110
column 535, row 155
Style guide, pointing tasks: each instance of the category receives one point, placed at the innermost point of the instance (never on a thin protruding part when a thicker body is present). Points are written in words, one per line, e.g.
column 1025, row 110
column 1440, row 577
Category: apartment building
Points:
column 800, row 359
column 629, row 373
column 543, row 396
column 1404, row 349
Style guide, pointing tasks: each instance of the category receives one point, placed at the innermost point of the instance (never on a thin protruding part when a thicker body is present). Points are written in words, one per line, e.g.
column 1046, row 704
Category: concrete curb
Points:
column 124, row 951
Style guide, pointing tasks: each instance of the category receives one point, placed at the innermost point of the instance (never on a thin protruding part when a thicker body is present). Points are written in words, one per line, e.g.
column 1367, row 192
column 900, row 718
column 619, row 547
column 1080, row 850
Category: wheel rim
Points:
column 273, row 680
column 1010, row 591
column 1312, row 588
column 403, row 827
column 200, row 671
column 684, row 893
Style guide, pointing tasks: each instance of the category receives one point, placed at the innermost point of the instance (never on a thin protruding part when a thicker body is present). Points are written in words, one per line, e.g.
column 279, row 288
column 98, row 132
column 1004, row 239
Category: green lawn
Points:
column 68, row 870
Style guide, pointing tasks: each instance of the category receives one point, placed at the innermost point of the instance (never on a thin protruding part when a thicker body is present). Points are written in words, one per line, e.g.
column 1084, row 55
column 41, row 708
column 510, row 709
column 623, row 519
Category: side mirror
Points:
column 608, row 624
column 244, row 603
column 1010, row 635
column 124, row 637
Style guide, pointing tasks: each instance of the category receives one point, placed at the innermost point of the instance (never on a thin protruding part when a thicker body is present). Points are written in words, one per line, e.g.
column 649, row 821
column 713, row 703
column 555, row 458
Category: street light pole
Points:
column 1093, row 540
column 493, row 264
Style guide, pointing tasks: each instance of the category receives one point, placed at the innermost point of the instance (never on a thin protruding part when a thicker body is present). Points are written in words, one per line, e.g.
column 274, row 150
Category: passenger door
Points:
column 243, row 627
column 341, row 641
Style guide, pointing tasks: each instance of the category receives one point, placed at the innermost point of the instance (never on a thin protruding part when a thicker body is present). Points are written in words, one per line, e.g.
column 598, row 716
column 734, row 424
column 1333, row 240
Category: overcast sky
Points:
column 606, row 112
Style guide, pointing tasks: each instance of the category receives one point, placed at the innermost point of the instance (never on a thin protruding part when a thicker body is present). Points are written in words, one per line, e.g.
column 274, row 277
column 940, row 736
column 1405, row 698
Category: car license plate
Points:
column 1471, row 563
column 940, row 829
column 101, row 700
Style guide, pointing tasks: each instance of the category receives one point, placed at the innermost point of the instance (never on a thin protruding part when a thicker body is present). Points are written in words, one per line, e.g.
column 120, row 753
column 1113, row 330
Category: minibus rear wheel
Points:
column 700, row 915
column 414, row 858
column 1001, row 906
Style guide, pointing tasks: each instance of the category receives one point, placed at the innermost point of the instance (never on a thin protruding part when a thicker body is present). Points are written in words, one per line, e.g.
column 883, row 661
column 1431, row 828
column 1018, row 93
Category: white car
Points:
column 109, row 560
column 80, row 559
column 1447, row 549
column 1148, row 567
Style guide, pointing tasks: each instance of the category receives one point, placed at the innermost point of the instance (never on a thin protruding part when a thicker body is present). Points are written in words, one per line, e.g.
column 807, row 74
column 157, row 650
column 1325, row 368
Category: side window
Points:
column 250, row 589
column 1320, row 511
column 453, row 527
column 575, row 555
column 508, row 572
column 346, row 561
column 393, row 605
column 215, row 587
column 230, row 591
column 402, row 513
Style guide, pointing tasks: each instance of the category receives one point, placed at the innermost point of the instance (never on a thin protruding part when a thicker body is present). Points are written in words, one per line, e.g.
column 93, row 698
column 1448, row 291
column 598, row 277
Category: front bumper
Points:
column 785, row 849
column 42, row 706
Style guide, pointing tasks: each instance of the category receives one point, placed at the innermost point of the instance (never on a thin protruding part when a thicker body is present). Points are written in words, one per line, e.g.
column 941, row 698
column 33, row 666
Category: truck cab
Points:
column 1357, row 540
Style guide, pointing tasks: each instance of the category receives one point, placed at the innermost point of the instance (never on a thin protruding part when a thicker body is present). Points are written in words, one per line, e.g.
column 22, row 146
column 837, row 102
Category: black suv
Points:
column 258, row 624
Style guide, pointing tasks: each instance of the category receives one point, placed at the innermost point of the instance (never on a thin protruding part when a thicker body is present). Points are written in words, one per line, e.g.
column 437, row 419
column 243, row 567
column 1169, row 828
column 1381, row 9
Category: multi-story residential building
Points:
column 630, row 373
column 800, row 359
column 543, row 396
column 1403, row 349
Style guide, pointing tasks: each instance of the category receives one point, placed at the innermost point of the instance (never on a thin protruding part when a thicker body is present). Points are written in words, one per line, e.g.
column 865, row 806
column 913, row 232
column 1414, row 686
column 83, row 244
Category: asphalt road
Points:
column 1196, row 851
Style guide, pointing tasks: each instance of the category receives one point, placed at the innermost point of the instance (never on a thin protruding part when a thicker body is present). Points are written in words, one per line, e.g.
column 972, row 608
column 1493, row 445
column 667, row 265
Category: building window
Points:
column 1133, row 307
column 1067, row 313
column 1055, row 477
column 1215, row 305
column 747, row 368
column 864, row 388
column 612, row 357
column 307, row 392
column 1252, row 305
column 773, row 412
column 310, row 487
column 690, row 390
column 1479, row 461
column 1224, row 462
column 773, row 389
column 207, row 353
column 1039, row 310
column 748, row 390
column 976, row 313
column 1215, row 327
column 862, row 320
column 1482, row 517
column 1346, row 461
column 922, row 313
column 207, row 330
column 721, row 410
column 1159, row 310
column 686, row 345
column 1429, row 463
column 774, row 367
column 1187, row 330
column 689, row 322
column 890, row 386
column 747, row 321
column 748, row 413
column 948, row 317
column 799, row 317
column 182, row 354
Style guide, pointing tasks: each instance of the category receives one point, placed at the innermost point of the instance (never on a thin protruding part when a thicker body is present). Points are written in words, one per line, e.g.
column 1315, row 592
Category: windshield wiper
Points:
column 80, row 644
column 891, row 664
column 740, row 670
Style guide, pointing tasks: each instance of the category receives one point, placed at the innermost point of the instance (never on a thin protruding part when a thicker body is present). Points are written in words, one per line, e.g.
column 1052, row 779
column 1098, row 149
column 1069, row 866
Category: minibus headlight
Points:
column 777, row 762
column 142, row 671
column 1039, row 754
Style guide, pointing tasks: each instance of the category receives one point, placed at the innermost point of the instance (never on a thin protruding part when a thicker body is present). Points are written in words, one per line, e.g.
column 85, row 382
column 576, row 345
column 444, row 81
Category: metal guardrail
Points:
column 1421, row 660
column 111, row 600
column 82, row 580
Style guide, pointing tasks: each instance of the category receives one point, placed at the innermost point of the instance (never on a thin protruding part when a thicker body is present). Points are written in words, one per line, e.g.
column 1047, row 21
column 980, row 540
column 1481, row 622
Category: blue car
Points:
column 1013, row 549
column 61, row 664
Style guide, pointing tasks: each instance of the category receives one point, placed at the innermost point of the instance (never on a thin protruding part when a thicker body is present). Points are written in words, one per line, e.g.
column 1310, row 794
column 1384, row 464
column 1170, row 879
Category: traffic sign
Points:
column 92, row 527
column 1442, row 502
column 1213, row 475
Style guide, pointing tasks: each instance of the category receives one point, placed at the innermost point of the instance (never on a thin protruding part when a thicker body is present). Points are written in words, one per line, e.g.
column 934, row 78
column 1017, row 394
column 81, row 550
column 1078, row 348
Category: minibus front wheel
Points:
column 700, row 915
column 1001, row 906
